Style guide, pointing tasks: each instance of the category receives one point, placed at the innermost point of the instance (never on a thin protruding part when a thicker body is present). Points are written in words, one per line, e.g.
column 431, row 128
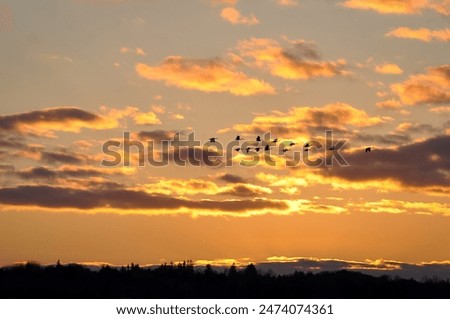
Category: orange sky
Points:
column 80, row 73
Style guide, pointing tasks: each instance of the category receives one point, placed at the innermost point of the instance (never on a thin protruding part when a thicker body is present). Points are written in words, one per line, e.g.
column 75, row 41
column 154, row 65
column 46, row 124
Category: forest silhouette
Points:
column 183, row 280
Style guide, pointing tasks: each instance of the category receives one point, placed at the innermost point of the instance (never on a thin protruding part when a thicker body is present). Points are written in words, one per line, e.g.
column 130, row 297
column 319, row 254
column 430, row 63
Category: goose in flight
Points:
column 238, row 149
column 306, row 147
column 285, row 150
column 367, row 149
column 213, row 139
column 239, row 138
column 257, row 149
column 258, row 139
column 292, row 144
column 248, row 148
column 267, row 148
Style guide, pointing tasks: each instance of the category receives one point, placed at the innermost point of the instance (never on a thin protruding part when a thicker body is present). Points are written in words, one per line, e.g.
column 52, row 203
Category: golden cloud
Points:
column 148, row 118
column 121, row 200
column 287, row 3
column 303, row 120
column 176, row 116
column 401, row 207
column 286, row 184
column 44, row 122
column 440, row 109
column 440, row 6
column 159, row 109
column 204, row 75
column 193, row 187
column 233, row 16
column 432, row 87
column 388, row 68
column 307, row 178
column 389, row 104
column 137, row 51
column 224, row 2
column 422, row 34
column 399, row 6
column 300, row 62
column 133, row 112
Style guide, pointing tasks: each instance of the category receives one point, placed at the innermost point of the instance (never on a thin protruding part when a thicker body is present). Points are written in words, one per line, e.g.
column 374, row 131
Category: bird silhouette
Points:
column 367, row 149
column 257, row 149
column 292, row 144
column 285, row 150
column 238, row 149
column 239, row 138
column 248, row 149
column 306, row 144
column 275, row 140
column 267, row 148
column 258, row 139
column 213, row 139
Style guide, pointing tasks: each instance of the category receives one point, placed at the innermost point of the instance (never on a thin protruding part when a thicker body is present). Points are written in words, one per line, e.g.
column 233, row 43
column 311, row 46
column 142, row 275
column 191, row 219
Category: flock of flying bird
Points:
column 275, row 141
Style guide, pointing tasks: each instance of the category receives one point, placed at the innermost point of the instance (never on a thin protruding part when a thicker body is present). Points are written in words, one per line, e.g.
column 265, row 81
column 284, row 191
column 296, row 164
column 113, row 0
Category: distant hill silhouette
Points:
column 184, row 281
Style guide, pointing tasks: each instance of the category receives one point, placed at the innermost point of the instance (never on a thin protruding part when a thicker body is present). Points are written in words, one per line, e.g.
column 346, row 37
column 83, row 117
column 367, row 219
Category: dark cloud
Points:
column 53, row 115
column 18, row 148
column 105, row 185
column 58, row 197
column 243, row 190
column 302, row 50
column 431, row 87
column 404, row 134
column 6, row 168
column 387, row 139
column 81, row 172
column 46, row 173
column 194, row 156
column 11, row 142
column 422, row 128
column 326, row 119
column 425, row 163
column 375, row 268
column 36, row 173
column 65, row 157
column 298, row 62
column 231, row 178
column 156, row 135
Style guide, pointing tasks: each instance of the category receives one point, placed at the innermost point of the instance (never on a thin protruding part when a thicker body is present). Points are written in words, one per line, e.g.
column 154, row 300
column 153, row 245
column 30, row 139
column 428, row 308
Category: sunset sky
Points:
column 78, row 73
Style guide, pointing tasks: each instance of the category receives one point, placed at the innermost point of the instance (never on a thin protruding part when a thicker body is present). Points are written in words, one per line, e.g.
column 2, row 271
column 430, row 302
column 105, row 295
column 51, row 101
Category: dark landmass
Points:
column 184, row 281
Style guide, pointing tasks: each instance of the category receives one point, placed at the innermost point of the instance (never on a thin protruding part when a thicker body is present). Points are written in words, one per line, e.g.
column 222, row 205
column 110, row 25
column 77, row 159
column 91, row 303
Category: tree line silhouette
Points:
column 183, row 280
